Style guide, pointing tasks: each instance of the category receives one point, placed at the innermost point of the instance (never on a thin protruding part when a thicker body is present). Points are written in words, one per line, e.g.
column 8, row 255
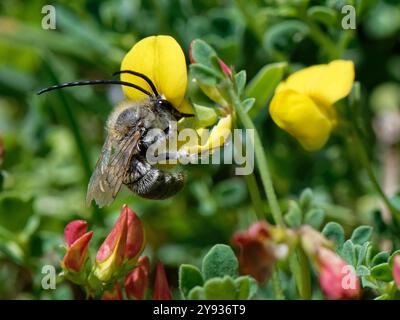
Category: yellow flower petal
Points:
column 302, row 118
column 324, row 83
column 162, row 60
column 217, row 137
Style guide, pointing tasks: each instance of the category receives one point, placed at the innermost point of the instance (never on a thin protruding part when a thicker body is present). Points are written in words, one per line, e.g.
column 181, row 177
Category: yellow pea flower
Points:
column 162, row 60
column 215, row 139
column 303, row 104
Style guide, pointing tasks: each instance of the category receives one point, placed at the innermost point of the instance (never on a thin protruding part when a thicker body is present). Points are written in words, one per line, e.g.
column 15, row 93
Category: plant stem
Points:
column 261, row 161
column 255, row 195
column 276, row 285
column 299, row 266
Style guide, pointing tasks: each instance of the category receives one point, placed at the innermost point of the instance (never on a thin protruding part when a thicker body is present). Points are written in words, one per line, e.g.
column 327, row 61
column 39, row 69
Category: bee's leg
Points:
column 153, row 136
column 152, row 183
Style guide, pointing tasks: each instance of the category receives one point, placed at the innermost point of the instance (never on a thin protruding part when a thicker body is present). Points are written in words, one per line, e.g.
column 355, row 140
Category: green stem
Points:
column 299, row 265
column 261, row 160
column 276, row 285
column 255, row 195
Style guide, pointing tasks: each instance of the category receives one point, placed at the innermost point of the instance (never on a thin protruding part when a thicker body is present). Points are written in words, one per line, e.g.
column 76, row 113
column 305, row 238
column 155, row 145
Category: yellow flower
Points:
column 162, row 60
column 303, row 104
column 213, row 140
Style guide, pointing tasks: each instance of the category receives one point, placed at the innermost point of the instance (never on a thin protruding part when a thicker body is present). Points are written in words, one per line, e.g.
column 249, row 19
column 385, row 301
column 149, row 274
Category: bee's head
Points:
column 166, row 105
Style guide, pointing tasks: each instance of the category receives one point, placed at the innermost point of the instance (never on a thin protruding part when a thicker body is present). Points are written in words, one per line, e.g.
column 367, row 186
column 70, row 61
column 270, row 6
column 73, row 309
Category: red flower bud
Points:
column 396, row 270
column 110, row 255
column 225, row 69
column 114, row 294
column 135, row 235
column 76, row 253
column 137, row 281
column 256, row 256
column 337, row 279
column 74, row 230
column 161, row 287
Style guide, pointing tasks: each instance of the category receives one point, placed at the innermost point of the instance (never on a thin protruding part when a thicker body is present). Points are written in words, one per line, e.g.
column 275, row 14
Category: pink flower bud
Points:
column 135, row 235
column 337, row 279
column 74, row 230
column 161, row 287
column 396, row 270
column 76, row 253
column 225, row 69
column 256, row 256
column 110, row 255
column 114, row 294
column 137, row 281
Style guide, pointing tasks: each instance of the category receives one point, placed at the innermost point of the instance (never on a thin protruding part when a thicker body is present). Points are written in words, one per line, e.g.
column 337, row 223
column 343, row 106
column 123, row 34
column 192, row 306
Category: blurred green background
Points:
column 51, row 142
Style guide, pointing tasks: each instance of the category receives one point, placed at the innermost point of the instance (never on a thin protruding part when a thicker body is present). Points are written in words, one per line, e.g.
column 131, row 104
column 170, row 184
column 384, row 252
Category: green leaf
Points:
column 205, row 116
column 384, row 296
column 361, row 252
column 189, row 277
column 197, row 293
column 294, row 216
column 248, row 104
column 362, row 271
column 324, row 15
column 361, row 234
column 306, row 199
column 348, row 252
column 380, row 257
column 246, row 287
column 315, row 217
column 204, row 74
column 382, row 272
column 366, row 283
column 392, row 257
column 283, row 37
column 220, row 289
column 334, row 231
column 240, row 80
column 220, row 261
column 261, row 87
column 202, row 53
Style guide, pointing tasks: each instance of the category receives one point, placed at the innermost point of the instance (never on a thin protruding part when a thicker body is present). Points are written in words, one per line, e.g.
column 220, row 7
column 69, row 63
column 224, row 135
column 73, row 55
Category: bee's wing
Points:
column 110, row 169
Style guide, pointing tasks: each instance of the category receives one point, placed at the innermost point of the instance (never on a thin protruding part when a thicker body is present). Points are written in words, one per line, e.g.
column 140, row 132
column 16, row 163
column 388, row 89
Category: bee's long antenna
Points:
column 140, row 75
column 93, row 82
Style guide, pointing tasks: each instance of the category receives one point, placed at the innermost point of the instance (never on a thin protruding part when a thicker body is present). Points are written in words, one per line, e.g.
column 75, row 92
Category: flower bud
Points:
column 74, row 230
column 256, row 254
column 396, row 270
column 312, row 240
column 161, row 287
column 114, row 294
column 337, row 279
column 110, row 255
column 78, row 241
column 225, row 69
column 135, row 235
column 137, row 281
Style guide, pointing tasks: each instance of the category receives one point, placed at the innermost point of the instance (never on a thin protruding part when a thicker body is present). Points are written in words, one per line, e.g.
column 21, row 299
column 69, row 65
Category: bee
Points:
column 129, row 135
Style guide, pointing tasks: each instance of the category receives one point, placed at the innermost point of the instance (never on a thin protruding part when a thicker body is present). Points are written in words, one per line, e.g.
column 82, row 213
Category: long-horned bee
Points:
column 129, row 135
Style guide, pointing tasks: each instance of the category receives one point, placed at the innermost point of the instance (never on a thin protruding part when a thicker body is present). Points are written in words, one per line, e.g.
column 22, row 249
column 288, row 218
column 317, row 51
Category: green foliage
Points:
column 220, row 274
column 51, row 143
column 305, row 211
column 220, row 261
